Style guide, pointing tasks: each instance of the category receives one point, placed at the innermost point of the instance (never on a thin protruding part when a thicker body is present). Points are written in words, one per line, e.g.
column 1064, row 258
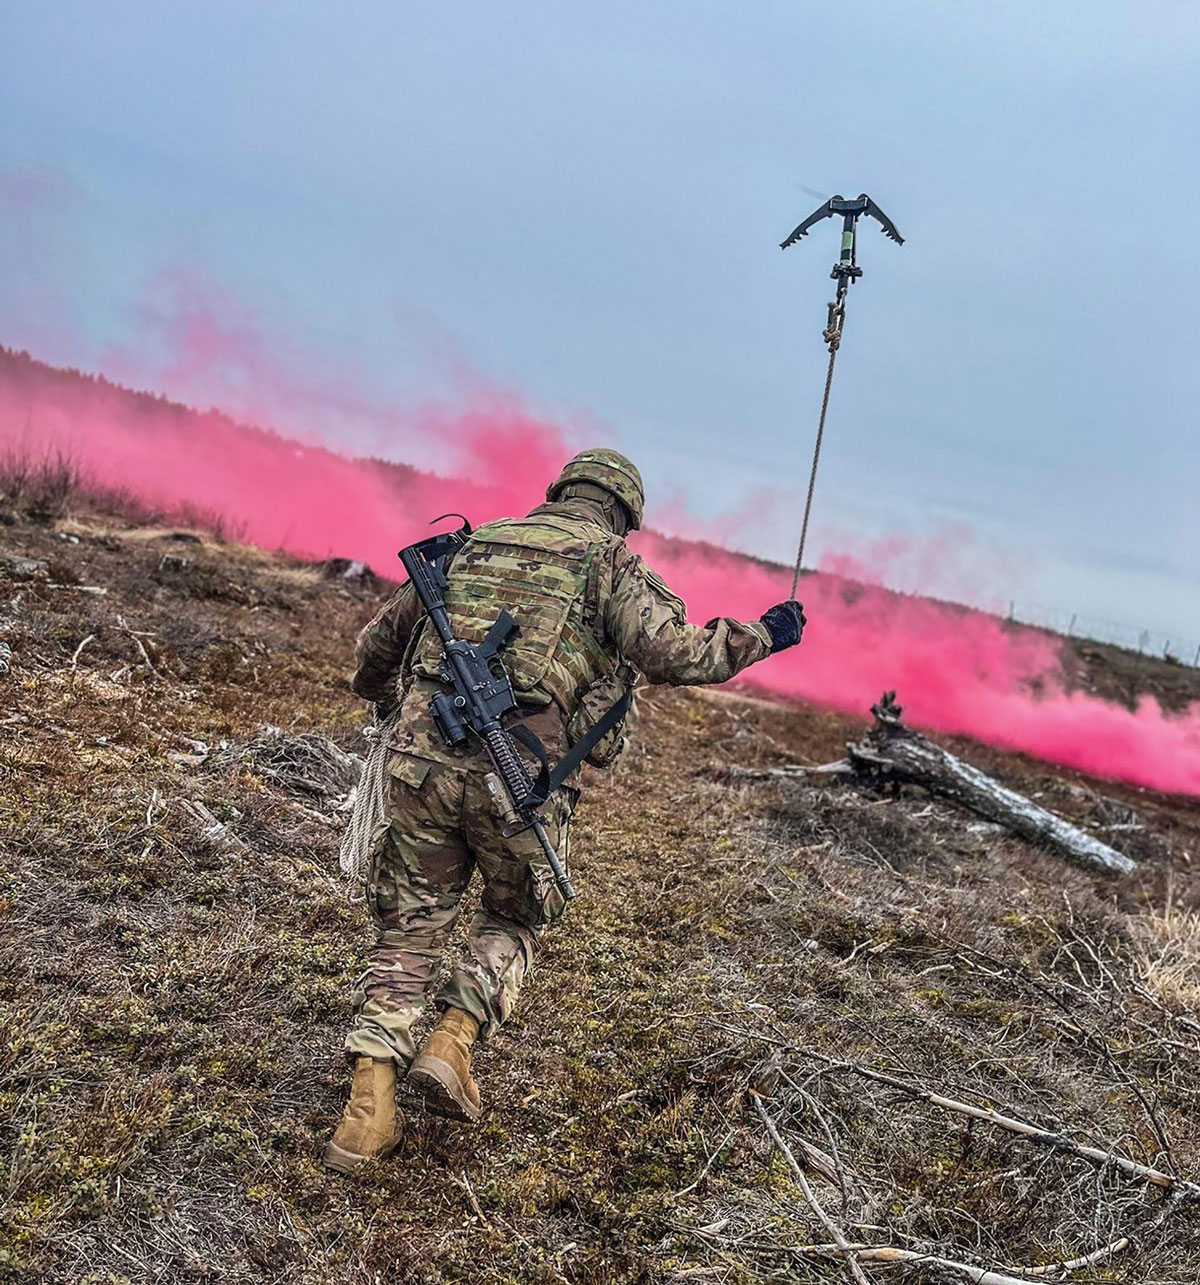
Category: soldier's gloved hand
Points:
column 383, row 710
column 785, row 623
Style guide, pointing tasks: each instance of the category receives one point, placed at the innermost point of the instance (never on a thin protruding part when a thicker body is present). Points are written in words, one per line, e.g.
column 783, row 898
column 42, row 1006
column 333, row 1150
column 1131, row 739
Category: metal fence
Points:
column 1150, row 642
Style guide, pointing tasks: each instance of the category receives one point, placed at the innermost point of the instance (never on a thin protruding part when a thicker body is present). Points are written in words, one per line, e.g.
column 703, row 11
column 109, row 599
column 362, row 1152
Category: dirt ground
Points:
column 178, row 953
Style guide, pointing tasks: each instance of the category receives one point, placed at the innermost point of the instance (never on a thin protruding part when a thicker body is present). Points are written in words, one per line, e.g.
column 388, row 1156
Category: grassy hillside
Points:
column 178, row 954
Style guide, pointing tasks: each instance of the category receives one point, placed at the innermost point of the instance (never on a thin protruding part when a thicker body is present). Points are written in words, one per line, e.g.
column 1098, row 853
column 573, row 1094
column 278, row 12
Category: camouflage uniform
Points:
column 585, row 604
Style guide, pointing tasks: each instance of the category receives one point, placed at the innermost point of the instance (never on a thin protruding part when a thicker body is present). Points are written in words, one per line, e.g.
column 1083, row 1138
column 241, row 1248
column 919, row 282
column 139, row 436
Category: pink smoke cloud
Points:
column 949, row 565
column 36, row 190
column 958, row 671
column 278, row 492
column 201, row 344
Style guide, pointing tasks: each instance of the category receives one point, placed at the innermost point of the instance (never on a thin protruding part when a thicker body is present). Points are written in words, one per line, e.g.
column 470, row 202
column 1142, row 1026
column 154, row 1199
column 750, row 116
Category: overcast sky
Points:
column 582, row 202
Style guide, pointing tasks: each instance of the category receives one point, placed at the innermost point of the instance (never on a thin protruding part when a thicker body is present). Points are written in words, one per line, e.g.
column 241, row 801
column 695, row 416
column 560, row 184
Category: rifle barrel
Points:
column 560, row 875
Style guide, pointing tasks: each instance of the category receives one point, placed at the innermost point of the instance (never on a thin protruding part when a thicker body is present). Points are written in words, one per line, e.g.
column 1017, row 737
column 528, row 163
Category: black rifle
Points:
column 481, row 694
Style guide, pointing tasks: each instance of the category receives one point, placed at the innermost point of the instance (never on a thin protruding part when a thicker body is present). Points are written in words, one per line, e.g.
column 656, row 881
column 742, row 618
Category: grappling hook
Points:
column 846, row 269
column 845, row 272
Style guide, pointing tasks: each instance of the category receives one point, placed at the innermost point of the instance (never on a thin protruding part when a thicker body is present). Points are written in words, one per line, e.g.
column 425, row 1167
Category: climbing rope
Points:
column 369, row 816
column 833, row 337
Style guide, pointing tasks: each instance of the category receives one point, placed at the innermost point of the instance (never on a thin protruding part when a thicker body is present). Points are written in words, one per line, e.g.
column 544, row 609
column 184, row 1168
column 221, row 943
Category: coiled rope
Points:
column 368, row 818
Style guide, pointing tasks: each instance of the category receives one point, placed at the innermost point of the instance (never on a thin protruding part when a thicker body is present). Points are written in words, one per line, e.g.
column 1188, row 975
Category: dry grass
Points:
column 48, row 487
column 173, row 995
column 1168, row 955
column 41, row 486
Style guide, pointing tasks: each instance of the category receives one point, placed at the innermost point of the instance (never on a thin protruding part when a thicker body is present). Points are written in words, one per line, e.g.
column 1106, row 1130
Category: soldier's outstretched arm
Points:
column 649, row 624
column 381, row 645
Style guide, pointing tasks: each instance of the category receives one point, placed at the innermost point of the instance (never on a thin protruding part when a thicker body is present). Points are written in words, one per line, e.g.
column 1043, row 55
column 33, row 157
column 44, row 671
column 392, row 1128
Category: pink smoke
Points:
column 276, row 492
column 958, row 671
column 948, row 565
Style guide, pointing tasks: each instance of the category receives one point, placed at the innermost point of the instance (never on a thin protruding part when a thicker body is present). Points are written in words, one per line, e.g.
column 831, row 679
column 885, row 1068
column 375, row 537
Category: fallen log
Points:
column 891, row 752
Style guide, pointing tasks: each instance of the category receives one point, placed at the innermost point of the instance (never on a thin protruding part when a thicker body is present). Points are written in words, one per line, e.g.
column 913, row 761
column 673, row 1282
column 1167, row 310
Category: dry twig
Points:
column 79, row 649
column 1073, row 1264
column 855, row 1254
column 894, row 1254
column 1106, row 1159
column 844, row 1248
column 461, row 1180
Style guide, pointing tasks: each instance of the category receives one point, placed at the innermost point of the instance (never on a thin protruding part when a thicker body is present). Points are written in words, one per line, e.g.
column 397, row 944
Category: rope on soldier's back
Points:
column 369, row 814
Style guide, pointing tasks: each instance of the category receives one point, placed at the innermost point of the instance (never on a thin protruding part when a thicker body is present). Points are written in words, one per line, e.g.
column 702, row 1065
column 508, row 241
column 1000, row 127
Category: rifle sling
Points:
column 550, row 778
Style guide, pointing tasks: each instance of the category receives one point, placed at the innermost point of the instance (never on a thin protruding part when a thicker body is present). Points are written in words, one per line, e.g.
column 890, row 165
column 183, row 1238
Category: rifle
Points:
column 481, row 694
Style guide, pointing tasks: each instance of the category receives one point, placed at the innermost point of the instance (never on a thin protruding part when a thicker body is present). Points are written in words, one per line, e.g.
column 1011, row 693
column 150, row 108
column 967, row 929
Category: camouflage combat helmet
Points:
column 610, row 470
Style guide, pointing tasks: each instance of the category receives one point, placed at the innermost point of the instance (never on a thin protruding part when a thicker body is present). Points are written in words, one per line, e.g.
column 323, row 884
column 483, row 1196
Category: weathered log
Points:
column 892, row 752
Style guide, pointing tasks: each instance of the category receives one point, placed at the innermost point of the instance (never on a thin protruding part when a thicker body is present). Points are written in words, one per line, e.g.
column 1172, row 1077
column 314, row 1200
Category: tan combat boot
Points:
column 370, row 1126
column 443, row 1068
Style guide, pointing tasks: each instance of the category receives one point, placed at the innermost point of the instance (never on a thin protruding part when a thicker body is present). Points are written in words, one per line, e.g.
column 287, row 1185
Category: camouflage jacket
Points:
column 584, row 603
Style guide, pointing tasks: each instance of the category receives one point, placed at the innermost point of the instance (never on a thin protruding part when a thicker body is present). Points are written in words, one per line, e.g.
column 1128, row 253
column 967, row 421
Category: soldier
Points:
column 592, row 615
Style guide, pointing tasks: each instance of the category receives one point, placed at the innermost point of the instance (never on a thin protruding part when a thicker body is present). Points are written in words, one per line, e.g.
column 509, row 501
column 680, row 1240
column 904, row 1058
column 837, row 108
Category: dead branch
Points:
column 829, row 1166
column 461, row 1180
column 305, row 762
column 708, row 1164
column 145, row 655
column 1058, row 1141
column 215, row 832
column 1073, row 1264
column 137, row 635
column 893, row 1254
column 892, row 752
column 787, row 771
column 79, row 650
column 876, row 1253
column 843, row 1245
column 314, row 815
column 855, row 1254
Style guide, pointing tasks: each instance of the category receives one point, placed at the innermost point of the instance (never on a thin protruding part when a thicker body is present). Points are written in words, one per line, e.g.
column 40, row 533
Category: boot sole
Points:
column 441, row 1088
column 349, row 1162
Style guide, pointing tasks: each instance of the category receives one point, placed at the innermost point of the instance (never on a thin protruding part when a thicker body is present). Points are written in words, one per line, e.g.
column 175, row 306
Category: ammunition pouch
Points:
column 606, row 692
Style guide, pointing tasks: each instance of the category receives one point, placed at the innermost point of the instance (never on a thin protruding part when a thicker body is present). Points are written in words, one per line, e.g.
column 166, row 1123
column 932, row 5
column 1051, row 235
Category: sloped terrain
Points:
column 178, row 953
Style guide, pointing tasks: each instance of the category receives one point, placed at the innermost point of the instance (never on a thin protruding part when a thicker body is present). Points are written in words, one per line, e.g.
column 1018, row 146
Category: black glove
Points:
column 785, row 623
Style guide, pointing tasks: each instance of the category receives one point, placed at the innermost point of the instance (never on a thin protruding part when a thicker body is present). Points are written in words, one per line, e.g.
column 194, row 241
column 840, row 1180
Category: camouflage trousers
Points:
column 442, row 824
